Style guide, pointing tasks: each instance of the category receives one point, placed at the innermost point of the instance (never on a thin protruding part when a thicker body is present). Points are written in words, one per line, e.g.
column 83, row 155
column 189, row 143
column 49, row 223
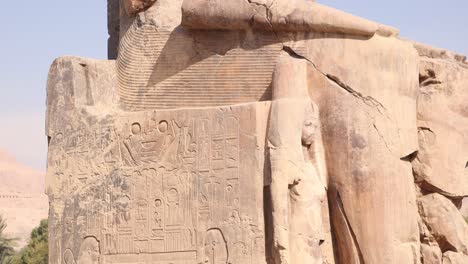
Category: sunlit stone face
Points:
column 135, row 6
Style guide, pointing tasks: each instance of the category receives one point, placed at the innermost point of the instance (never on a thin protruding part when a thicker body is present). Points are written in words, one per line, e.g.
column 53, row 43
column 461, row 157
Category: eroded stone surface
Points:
column 451, row 257
column 464, row 209
column 441, row 163
column 426, row 51
column 281, row 15
column 135, row 6
column 445, row 222
column 366, row 129
column 431, row 254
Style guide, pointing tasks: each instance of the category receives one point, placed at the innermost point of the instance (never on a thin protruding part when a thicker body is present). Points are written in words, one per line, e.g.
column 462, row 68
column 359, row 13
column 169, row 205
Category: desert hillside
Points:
column 22, row 199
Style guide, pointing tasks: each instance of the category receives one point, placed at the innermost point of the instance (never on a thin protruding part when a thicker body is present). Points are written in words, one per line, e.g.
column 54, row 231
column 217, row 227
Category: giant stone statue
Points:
column 255, row 131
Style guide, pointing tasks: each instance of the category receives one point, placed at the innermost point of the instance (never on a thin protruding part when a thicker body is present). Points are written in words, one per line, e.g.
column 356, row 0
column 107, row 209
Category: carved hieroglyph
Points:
column 162, row 186
column 178, row 186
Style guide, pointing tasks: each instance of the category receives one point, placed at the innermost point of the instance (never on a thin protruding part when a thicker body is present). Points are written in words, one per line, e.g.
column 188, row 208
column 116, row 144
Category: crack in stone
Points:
column 426, row 129
column 367, row 100
column 428, row 187
column 262, row 4
column 372, row 102
column 268, row 14
column 381, row 136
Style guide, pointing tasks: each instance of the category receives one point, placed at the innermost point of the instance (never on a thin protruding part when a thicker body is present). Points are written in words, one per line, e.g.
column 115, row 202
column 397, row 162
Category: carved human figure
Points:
column 89, row 251
column 132, row 146
column 215, row 247
column 297, row 167
column 173, row 207
column 68, row 257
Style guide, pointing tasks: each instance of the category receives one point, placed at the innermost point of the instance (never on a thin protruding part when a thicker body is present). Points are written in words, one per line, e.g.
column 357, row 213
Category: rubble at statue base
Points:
column 249, row 132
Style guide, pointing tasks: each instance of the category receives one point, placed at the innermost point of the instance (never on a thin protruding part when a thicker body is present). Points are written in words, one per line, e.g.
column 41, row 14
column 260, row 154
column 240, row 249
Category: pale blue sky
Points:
column 36, row 32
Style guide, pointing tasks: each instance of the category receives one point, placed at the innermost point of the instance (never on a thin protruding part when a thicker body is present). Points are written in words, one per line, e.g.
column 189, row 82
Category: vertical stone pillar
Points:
column 113, row 28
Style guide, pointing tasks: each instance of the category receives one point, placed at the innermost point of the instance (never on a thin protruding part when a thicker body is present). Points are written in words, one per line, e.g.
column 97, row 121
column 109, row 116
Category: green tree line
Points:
column 35, row 252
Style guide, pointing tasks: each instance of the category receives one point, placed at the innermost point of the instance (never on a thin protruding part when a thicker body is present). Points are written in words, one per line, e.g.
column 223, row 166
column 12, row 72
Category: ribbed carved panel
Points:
column 163, row 70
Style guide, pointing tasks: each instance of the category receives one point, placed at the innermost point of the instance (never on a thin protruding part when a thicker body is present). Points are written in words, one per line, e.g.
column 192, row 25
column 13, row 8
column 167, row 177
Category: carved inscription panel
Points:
column 166, row 187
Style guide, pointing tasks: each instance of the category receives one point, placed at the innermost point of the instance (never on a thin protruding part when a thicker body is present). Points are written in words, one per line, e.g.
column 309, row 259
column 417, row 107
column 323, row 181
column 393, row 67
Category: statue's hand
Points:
column 296, row 175
column 295, row 180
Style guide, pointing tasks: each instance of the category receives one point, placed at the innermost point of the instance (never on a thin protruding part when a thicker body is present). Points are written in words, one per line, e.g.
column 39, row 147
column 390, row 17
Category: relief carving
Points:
column 89, row 251
column 174, row 179
column 297, row 185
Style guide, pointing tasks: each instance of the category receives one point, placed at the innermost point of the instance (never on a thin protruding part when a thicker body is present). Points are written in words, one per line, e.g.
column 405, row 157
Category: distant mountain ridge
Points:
column 18, row 178
column 22, row 197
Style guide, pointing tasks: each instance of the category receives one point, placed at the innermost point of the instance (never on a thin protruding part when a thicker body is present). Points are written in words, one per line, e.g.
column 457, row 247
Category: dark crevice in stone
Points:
column 351, row 230
column 424, row 77
column 428, row 188
column 411, row 157
column 426, row 129
column 368, row 100
column 381, row 137
column 429, row 78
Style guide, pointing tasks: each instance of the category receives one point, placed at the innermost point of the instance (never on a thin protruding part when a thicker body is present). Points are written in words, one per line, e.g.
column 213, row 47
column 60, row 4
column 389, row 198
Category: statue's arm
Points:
column 279, row 15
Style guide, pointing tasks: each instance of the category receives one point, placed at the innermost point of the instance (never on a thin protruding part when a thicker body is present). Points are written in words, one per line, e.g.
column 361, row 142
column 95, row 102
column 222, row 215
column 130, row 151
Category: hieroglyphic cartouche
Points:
column 167, row 187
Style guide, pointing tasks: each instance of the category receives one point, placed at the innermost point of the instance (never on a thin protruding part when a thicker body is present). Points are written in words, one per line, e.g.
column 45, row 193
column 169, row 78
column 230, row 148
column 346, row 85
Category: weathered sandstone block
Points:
column 442, row 160
column 135, row 6
column 451, row 257
column 431, row 254
column 464, row 209
column 426, row 52
column 445, row 222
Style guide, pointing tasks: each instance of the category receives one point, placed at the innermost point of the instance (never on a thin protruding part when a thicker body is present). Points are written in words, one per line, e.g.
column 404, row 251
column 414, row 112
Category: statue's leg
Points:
column 279, row 199
column 306, row 227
